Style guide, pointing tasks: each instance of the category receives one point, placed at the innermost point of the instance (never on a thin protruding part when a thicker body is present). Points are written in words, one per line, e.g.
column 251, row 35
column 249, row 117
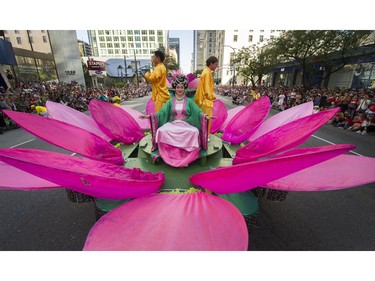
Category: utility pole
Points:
column 136, row 68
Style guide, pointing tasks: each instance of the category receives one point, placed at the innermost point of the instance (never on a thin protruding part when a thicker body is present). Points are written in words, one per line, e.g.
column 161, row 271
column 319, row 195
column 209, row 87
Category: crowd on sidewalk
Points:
column 357, row 106
column 32, row 97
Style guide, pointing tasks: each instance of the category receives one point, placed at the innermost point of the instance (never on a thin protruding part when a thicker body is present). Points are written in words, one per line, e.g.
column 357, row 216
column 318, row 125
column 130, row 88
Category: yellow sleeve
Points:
column 155, row 76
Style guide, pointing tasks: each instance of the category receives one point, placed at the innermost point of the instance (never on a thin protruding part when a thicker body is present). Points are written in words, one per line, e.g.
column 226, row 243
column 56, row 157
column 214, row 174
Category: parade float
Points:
column 143, row 203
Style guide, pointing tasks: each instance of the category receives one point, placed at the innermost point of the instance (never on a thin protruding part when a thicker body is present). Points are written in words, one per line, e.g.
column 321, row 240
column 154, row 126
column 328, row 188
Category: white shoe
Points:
column 364, row 133
column 359, row 132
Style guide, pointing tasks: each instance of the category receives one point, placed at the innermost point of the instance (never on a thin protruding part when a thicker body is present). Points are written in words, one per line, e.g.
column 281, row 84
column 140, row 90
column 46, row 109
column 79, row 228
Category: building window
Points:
column 144, row 32
column 115, row 38
column 138, row 38
column 110, row 52
column 43, row 31
column 144, row 38
column 17, row 32
column 262, row 30
column 138, row 45
column 102, row 45
column 45, row 39
column 145, row 52
column 117, row 45
column 101, row 38
column 251, row 30
column 160, row 32
column 123, row 38
column 117, row 51
column 236, row 30
column 235, row 37
column 130, row 38
column 260, row 38
column 272, row 36
column 123, row 45
column 7, row 39
column 137, row 32
column 31, row 40
column 19, row 40
column 107, row 32
column 130, row 32
column 160, row 39
column 272, row 31
column 152, row 38
column 124, row 52
column 131, row 45
column 108, row 38
column 151, row 32
column 100, row 32
column 109, row 45
column 250, row 39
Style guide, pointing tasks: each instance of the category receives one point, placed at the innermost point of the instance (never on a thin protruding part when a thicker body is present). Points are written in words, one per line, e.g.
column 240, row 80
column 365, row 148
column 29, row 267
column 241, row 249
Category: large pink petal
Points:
column 231, row 113
column 343, row 171
column 190, row 77
column 171, row 222
column 246, row 176
column 16, row 179
column 282, row 118
column 245, row 122
column 220, row 112
column 284, row 137
column 74, row 117
column 169, row 85
column 143, row 123
column 150, row 106
column 115, row 122
column 94, row 178
column 68, row 137
column 194, row 84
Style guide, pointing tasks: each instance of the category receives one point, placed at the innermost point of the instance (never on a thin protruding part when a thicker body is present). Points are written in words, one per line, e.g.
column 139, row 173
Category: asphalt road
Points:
column 307, row 221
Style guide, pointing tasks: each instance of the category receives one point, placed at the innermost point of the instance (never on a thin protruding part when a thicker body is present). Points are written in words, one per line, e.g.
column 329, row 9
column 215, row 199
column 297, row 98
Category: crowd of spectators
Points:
column 357, row 106
column 32, row 97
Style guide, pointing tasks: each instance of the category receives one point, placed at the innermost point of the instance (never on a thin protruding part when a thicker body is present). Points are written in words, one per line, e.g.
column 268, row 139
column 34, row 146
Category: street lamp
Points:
column 126, row 71
column 119, row 70
column 136, row 68
column 234, row 65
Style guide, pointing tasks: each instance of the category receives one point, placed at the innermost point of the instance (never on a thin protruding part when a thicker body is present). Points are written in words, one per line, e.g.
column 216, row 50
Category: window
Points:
column 145, row 52
column 236, row 30
column 160, row 32
column 250, row 39
column 43, row 31
column 110, row 52
column 117, row 45
column 138, row 38
column 101, row 38
column 117, row 51
column 19, row 40
column 130, row 32
column 107, row 32
column 160, row 39
column 260, row 38
column 138, row 45
column 100, row 32
column 272, row 31
column 235, row 37
column 251, row 30
column 152, row 38
column 124, row 52
column 31, row 40
column 262, row 30
column 17, row 32
column 130, row 38
column 45, row 39
column 123, row 45
column 272, row 36
column 151, row 32
column 109, row 45
column 122, row 38
column 144, row 32
column 131, row 45
column 137, row 32
column 7, row 39
column 102, row 45
column 144, row 38
column 115, row 38
column 108, row 38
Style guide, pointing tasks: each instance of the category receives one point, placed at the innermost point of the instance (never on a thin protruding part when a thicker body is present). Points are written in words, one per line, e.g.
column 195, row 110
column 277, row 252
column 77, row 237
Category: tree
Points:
column 319, row 52
column 254, row 62
column 169, row 61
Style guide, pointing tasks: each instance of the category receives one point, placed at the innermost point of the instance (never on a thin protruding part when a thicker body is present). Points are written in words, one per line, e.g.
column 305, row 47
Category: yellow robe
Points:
column 158, row 79
column 205, row 95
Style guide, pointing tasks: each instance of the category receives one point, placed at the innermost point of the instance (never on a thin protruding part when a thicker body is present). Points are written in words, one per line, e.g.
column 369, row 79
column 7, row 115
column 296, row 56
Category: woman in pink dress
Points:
column 179, row 129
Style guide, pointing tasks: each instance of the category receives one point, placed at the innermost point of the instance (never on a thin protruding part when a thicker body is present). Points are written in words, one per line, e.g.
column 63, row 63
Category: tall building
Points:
column 224, row 44
column 120, row 43
column 85, row 49
column 174, row 46
column 43, row 55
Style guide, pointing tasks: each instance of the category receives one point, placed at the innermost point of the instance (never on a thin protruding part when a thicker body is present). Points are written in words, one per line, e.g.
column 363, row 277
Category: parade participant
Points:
column 205, row 96
column 158, row 79
column 179, row 128
column 39, row 110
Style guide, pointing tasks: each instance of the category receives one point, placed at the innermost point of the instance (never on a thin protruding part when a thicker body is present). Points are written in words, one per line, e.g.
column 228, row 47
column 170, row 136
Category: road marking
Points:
column 351, row 151
column 22, row 143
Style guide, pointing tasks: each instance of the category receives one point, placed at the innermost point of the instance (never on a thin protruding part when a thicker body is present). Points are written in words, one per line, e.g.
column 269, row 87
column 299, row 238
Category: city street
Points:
column 339, row 220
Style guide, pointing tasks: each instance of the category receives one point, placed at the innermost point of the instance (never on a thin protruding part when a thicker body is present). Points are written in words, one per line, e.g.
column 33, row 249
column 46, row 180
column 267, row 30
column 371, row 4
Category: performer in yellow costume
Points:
column 158, row 79
column 39, row 110
column 205, row 96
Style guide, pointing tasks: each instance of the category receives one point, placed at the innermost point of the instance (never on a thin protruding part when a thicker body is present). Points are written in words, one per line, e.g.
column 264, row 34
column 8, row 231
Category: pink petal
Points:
column 282, row 118
column 150, row 106
column 68, row 137
column 115, row 122
column 194, row 84
column 94, row 178
column 246, row 176
column 231, row 113
column 171, row 222
column 245, row 122
column 143, row 123
column 220, row 112
column 343, row 171
column 283, row 138
column 74, row 117
column 16, row 179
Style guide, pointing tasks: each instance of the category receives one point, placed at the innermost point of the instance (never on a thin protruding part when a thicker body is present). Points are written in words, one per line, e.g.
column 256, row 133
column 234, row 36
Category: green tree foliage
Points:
column 254, row 62
column 324, row 51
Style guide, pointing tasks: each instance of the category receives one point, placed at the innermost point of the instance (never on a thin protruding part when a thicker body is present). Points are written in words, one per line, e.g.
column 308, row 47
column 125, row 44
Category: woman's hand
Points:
column 210, row 117
column 144, row 116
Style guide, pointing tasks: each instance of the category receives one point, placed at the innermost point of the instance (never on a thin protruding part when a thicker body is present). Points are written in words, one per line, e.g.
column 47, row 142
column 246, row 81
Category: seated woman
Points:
column 179, row 129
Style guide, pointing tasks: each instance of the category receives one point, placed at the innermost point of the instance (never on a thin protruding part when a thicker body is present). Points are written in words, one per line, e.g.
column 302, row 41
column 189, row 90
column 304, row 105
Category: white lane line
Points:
column 22, row 143
column 351, row 151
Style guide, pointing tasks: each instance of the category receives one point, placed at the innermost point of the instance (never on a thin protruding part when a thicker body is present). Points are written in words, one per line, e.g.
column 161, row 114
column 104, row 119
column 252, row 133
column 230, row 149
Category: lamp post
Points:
column 136, row 68
column 126, row 71
column 119, row 70
column 234, row 65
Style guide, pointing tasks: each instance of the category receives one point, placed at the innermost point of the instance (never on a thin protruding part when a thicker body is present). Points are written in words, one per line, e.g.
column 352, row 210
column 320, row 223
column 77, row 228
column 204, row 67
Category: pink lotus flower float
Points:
column 160, row 207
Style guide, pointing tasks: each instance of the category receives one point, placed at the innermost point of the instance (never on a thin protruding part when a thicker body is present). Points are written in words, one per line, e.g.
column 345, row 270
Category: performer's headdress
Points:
column 180, row 79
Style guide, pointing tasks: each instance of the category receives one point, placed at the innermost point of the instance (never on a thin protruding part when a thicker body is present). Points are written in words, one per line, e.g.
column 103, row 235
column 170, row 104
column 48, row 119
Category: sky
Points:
column 186, row 46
